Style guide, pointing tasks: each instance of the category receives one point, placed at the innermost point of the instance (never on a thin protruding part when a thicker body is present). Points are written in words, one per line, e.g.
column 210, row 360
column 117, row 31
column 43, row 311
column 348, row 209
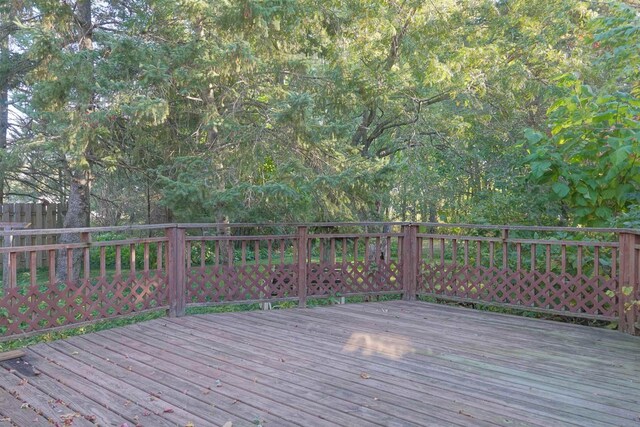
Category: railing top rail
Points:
column 290, row 224
column 422, row 224
column 530, row 228
column 152, row 227
column 49, row 231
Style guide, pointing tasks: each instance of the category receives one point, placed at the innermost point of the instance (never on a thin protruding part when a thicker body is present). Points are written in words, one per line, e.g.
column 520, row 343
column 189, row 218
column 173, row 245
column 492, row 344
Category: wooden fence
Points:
column 35, row 216
column 119, row 271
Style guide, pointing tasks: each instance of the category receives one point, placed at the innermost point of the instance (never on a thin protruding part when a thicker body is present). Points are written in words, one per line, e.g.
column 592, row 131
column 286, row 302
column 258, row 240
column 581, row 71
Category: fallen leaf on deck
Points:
column 124, row 425
column 364, row 375
column 168, row 411
column 218, row 383
column 24, row 406
column 189, row 424
column 228, row 424
column 461, row 412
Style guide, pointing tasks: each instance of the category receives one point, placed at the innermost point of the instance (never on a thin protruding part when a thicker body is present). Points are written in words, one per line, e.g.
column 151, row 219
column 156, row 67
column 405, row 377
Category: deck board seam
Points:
column 409, row 368
column 425, row 383
column 350, row 326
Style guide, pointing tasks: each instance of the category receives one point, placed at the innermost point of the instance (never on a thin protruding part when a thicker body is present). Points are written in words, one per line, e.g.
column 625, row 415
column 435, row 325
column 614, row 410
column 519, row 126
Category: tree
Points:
column 297, row 111
column 590, row 154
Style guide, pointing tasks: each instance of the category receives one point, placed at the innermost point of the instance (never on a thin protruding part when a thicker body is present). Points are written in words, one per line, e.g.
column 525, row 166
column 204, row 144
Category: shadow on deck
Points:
column 390, row 364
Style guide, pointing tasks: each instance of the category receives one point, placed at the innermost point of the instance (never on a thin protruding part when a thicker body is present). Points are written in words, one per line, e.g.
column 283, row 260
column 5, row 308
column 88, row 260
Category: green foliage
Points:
column 590, row 154
column 300, row 111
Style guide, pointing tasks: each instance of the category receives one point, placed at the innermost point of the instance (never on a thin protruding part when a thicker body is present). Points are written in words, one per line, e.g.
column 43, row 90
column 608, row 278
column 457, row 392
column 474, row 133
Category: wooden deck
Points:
column 389, row 364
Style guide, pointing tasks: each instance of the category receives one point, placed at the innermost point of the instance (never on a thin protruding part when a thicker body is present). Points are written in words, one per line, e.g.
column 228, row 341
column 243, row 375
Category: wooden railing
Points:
column 120, row 271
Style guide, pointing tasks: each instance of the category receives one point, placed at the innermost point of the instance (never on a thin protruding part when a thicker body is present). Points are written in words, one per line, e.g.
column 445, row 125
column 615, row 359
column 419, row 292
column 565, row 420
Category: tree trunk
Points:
column 4, row 97
column 78, row 202
column 77, row 216
column 4, row 128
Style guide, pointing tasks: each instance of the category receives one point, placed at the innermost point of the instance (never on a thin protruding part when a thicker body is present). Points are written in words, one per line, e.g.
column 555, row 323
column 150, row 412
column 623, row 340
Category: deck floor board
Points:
column 392, row 363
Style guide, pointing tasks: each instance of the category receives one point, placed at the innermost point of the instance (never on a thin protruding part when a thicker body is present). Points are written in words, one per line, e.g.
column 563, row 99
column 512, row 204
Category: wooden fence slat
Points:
column 28, row 240
column 532, row 267
column 146, row 258
column 39, row 224
column 33, row 265
column 52, row 268
column 103, row 262
column 118, row 260
column 132, row 259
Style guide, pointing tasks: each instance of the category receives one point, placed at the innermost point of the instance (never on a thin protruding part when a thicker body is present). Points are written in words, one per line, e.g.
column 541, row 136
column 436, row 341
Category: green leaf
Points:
column 604, row 212
column 561, row 189
column 621, row 155
column 539, row 168
column 533, row 136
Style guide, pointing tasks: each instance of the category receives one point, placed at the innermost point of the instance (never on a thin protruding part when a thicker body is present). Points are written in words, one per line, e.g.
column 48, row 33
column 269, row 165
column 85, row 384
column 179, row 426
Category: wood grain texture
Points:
column 394, row 363
column 13, row 354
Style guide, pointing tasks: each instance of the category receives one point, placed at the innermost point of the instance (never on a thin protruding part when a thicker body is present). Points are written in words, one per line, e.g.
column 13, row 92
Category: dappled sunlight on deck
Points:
column 389, row 346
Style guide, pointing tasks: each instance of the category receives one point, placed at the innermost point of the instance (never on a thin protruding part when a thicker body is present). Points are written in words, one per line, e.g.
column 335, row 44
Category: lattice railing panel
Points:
column 353, row 277
column 211, row 284
column 41, row 307
column 544, row 290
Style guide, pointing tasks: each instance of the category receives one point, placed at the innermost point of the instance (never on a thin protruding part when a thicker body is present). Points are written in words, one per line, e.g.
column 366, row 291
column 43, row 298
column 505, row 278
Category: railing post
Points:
column 628, row 283
column 303, row 243
column 176, row 271
column 410, row 261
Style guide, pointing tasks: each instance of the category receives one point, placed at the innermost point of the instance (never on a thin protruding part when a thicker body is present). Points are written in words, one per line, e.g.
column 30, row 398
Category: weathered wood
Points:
column 395, row 363
column 105, row 397
column 410, row 261
column 223, row 400
column 333, row 356
column 13, row 410
column 629, row 291
column 176, row 271
column 505, row 247
column 552, row 284
column 12, row 354
column 373, row 411
column 302, row 248
column 56, row 409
